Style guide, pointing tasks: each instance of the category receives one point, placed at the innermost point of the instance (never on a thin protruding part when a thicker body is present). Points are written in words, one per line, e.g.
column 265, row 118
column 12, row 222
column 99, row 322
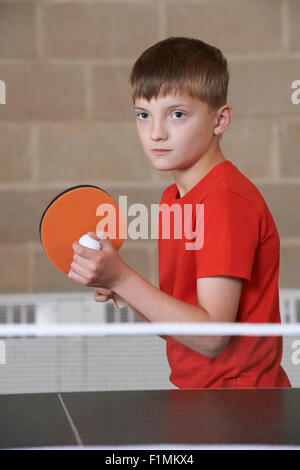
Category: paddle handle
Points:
column 119, row 302
column 93, row 244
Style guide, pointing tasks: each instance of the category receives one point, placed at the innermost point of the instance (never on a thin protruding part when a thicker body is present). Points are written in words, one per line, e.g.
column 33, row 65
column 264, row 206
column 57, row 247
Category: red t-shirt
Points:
column 240, row 240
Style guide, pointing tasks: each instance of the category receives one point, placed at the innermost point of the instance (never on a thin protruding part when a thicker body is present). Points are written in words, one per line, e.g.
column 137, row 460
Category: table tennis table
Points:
column 166, row 419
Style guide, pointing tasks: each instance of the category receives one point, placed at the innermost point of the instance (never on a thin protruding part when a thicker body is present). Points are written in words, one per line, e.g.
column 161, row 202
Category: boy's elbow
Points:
column 218, row 346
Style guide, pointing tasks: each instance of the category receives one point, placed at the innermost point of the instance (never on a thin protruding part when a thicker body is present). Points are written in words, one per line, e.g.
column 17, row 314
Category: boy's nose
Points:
column 158, row 131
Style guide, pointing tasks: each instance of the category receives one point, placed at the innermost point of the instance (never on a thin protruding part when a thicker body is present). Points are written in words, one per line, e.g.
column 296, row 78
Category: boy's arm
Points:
column 103, row 295
column 218, row 302
column 143, row 318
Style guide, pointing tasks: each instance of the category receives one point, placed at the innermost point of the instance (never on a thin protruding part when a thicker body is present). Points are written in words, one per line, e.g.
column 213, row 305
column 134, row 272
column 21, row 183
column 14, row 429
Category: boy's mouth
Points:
column 160, row 151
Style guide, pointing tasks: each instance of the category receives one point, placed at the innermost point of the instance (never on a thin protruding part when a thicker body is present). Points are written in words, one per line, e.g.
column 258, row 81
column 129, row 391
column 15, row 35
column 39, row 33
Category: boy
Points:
column 179, row 89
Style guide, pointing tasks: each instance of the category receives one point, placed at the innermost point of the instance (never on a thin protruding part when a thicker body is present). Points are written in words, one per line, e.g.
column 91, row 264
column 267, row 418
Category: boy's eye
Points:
column 178, row 112
column 146, row 114
column 140, row 114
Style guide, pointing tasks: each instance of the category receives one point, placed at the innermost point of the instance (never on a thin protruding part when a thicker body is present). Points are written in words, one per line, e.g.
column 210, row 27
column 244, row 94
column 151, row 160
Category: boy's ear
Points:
column 223, row 119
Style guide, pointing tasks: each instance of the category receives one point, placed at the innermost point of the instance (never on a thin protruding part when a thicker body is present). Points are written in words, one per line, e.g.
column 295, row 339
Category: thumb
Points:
column 93, row 235
column 103, row 238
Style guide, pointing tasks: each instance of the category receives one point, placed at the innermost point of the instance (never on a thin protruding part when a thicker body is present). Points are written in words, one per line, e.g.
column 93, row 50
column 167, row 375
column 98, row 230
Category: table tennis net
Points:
column 57, row 350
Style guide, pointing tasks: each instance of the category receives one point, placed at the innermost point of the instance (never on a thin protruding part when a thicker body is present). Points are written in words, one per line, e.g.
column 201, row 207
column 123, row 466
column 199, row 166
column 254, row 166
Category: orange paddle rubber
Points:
column 72, row 214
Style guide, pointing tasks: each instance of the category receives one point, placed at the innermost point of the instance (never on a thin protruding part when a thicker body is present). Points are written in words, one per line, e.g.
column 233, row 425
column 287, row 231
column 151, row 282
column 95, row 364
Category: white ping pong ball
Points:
column 89, row 242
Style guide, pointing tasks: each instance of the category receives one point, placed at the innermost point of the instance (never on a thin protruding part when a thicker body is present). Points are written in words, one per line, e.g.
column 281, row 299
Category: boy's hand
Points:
column 102, row 295
column 94, row 268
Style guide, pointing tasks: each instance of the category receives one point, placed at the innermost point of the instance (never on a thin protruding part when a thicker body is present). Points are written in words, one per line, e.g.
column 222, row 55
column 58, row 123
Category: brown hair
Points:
column 181, row 64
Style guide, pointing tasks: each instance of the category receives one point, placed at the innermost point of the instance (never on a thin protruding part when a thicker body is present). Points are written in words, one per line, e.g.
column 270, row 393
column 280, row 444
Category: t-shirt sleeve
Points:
column 231, row 236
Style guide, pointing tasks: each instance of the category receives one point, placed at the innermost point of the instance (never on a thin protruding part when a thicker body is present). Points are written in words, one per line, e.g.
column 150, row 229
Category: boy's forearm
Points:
column 157, row 306
column 142, row 318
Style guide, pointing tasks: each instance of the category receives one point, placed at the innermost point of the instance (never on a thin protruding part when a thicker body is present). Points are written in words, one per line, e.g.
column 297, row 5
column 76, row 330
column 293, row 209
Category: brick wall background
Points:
column 66, row 66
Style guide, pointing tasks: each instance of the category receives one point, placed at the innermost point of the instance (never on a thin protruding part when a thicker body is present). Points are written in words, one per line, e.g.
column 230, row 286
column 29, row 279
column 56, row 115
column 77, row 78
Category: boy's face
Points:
column 183, row 124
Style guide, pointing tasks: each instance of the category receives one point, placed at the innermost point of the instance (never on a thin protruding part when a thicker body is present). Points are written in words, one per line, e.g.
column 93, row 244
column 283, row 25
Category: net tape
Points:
column 144, row 329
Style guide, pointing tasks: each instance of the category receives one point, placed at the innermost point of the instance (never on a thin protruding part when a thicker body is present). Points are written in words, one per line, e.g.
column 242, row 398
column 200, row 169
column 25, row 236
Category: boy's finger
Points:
column 102, row 298
column 93, row 235
column 103, row 290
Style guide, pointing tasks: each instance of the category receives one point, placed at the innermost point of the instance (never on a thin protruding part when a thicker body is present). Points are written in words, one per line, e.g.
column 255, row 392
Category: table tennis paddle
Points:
column 71, row 215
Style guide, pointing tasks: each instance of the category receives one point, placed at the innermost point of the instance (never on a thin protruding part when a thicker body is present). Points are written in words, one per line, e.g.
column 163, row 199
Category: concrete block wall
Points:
column 68, row 117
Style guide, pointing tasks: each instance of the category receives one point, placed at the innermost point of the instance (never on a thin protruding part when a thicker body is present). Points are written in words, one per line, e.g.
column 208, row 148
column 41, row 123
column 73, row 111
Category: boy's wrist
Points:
column 120, row 279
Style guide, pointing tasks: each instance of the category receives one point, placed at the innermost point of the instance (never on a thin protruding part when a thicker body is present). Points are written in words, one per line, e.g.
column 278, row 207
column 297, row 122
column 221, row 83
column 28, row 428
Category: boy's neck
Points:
column 187, row 178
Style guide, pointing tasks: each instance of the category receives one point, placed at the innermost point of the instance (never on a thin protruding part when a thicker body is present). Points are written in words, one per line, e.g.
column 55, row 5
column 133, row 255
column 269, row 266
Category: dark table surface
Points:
column 115, row 419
